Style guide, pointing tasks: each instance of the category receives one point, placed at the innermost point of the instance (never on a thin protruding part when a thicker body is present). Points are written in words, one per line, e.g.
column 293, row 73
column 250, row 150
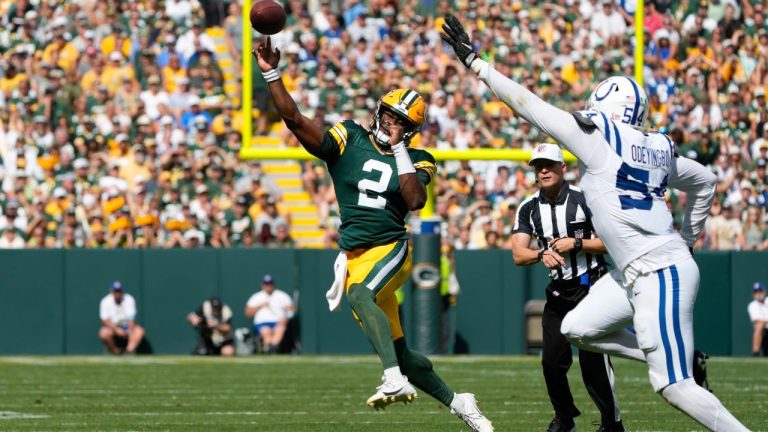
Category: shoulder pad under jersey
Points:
column 584, row 119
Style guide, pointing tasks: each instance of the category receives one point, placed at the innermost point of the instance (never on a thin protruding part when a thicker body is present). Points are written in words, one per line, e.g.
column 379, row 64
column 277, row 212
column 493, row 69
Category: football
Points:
column 267, row 17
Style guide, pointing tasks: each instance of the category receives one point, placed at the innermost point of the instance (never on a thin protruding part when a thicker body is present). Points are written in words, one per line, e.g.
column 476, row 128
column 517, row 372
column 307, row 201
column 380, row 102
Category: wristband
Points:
column 540, row 256
column 577, row 244
column 271, row 75
column 475, row 66
column 403, row 159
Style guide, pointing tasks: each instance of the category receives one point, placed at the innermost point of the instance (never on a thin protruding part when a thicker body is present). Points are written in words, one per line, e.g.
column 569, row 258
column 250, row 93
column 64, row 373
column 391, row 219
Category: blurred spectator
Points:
column 268, row 221
column 728, row 232
column 755, row 233
column 137, row 103
column 192, row 42
column 758, row 315
column 119, row 331
column 213, row 323
column 282, row 238
column 271, row 309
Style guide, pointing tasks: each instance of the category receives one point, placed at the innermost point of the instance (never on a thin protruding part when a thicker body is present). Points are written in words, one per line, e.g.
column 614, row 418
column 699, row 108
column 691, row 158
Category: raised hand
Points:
column 454, row 34
column 267, row 58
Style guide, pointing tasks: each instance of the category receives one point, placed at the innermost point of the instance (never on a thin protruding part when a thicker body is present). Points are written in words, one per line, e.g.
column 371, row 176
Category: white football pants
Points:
column 660, row 304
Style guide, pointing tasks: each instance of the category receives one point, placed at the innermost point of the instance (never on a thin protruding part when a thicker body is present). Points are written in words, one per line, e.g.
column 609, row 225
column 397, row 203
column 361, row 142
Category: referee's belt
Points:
column 587, row 278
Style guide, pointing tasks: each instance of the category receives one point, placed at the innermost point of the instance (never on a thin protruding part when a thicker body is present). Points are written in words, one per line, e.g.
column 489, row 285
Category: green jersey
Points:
column 367, row 185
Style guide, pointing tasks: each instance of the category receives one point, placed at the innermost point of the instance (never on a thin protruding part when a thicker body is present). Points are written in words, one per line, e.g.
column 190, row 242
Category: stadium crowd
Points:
column 115, row 130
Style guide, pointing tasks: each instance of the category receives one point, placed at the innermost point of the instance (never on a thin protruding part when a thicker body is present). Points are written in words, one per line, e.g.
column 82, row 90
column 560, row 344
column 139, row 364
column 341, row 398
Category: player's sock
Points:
column 393, row 374
column 375, row 323
column 417, row 367
column 701, row 406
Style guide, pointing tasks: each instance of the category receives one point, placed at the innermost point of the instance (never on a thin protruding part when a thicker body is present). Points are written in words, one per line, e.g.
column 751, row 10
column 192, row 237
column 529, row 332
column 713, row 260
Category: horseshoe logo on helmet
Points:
column 610, row 89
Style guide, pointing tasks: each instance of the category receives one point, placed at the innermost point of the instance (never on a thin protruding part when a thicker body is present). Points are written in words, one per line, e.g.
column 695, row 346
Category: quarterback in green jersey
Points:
column 378, row 179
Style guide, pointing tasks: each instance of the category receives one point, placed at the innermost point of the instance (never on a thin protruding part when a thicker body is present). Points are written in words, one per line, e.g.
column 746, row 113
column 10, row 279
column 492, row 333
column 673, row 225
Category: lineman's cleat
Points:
column 391, row 392
column 700, row 369
column 464, row 406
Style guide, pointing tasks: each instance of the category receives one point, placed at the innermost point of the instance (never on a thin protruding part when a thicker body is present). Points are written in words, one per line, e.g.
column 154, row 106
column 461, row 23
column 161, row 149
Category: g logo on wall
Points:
column 426, row 276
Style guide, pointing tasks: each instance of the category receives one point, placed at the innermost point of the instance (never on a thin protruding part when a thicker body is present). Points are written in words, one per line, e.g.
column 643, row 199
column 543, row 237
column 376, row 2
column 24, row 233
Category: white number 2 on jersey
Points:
column 365, row 186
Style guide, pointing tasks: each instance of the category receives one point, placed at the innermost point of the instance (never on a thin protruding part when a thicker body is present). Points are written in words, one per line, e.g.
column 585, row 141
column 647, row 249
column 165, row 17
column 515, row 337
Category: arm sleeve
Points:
column 699, row 185
column 103, row 312
column 335, row 140
column 329, row 146
column 130, row 308
column 523, row 219
column 226, row 314
column 558, row 124
column 425, row 166
column 752, row 311
column 253, row 301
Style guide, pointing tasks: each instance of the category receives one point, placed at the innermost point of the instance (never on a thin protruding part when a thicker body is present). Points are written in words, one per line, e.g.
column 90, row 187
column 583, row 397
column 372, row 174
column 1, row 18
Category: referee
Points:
column 558, row 218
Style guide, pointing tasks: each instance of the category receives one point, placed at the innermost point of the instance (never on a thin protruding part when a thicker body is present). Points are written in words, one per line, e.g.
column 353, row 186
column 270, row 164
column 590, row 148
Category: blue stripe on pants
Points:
column 663, row 326
column 676, row 320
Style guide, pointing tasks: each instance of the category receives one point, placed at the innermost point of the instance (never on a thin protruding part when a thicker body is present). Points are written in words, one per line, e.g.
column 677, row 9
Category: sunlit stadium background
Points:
column 132, row 130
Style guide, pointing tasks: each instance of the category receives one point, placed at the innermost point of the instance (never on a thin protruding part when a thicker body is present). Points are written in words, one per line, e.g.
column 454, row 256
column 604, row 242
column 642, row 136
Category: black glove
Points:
column 454, row 34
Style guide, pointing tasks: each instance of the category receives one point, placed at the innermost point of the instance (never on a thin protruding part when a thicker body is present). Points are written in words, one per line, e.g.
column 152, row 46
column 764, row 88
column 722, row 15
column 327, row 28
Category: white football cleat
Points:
column 391, row 392
column 464, row 406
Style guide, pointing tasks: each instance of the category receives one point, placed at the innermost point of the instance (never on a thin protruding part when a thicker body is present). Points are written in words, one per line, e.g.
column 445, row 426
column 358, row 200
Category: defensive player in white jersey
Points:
column 625, row 173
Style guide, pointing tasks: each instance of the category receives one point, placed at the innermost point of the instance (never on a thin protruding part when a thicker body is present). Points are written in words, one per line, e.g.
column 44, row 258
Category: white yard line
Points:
column 15, row 415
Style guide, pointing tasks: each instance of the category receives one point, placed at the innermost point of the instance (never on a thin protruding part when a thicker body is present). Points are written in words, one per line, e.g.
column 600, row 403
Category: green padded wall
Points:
column 480, row 311
column 174, row 283
column 323, row 331
column 31, row 302
column 712, row 312
column 49, row 299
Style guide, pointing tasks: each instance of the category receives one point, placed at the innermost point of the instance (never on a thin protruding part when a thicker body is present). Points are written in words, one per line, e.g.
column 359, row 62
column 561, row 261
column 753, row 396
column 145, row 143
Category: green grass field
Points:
column 308, row 393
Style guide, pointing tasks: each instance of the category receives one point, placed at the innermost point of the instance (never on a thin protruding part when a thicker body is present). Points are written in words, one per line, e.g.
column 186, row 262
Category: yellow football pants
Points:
column 382, row 269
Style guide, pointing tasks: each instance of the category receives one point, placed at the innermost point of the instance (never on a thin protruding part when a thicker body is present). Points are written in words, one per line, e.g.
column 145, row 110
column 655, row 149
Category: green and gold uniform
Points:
column 367, row 185
column 373, row 237
column 373, row 211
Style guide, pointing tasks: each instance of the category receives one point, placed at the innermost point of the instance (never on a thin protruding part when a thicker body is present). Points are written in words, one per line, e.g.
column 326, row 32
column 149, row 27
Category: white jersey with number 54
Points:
column 625, row 173
column 626, row 192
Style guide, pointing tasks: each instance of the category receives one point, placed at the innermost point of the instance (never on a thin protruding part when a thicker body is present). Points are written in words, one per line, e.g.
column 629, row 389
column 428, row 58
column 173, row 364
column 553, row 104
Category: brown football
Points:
column 267, row 17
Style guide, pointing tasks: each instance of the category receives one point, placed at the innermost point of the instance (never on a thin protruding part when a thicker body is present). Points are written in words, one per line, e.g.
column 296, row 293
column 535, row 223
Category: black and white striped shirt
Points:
column 566, row 216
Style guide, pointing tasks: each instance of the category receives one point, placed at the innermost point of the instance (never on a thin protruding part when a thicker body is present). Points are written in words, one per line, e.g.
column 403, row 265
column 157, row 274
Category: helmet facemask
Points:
column 381, row 137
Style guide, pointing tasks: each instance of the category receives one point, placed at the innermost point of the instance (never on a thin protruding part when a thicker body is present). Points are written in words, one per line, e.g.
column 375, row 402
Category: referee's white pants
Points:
column 659, row 304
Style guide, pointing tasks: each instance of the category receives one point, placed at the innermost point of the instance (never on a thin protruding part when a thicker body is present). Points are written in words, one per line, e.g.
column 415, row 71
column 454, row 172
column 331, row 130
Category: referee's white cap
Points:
column 547, row 151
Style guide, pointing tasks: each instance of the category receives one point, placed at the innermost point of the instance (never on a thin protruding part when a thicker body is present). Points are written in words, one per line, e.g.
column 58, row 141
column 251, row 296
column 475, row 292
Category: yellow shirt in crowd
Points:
column 170, row 76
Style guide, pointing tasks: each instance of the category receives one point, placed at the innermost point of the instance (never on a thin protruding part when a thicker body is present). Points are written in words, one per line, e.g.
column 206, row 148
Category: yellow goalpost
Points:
column 519, row 155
